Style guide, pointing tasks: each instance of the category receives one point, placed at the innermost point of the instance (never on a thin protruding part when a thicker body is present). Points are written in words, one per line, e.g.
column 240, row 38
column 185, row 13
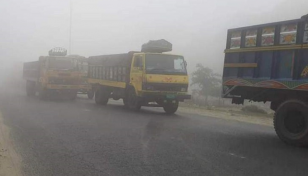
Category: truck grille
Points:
column 165, row 87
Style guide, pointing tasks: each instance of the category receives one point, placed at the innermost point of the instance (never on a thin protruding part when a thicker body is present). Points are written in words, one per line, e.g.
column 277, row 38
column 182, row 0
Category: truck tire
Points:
column 102, row 96
column 133, row 102
column 171, row 108
column 30, row 88
column 291, row 122
column 90, row 94
column 125, row 102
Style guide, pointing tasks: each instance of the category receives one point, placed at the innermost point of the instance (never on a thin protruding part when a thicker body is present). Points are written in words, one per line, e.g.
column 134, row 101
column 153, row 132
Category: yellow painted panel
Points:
column 64, row 74
column 305, row 46
column 55, row 86
column 107, row 83
column 155, row 78
column 271, row 48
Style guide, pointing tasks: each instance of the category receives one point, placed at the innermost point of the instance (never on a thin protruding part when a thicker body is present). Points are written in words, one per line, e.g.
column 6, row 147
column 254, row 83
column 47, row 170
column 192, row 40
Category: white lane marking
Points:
column 238, row 156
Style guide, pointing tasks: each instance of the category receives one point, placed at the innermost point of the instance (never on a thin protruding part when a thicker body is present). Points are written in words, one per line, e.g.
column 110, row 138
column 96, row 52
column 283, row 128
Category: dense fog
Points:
column 196, row 28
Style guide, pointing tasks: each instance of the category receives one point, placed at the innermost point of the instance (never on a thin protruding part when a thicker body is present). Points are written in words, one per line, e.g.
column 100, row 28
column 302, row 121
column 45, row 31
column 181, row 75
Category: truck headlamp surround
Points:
column 183, row 89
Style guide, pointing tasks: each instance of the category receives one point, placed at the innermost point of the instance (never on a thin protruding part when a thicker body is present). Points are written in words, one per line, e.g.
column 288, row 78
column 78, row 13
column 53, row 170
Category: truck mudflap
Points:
column 165, row 95
column 64, row 87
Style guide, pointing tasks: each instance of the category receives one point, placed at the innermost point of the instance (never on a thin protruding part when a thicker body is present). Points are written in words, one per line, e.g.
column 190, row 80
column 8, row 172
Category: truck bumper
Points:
column 67, row 87
column 153, row 96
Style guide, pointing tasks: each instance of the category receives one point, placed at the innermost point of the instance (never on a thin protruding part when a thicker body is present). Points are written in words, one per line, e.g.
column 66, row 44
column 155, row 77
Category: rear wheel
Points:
column 291, row 122
column 133, row 101
column 171, row 108
column 30, row 88
column 102, row 95
column 90, row 94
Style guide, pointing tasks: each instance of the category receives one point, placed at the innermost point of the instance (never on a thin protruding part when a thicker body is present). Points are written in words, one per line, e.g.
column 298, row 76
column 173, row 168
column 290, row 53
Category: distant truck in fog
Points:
column 269, row 62
column 54, row 74
column 146, row 78
column 82, row 66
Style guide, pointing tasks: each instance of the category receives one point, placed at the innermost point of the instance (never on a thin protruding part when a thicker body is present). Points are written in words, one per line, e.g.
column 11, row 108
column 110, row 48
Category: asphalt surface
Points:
column 81, row 138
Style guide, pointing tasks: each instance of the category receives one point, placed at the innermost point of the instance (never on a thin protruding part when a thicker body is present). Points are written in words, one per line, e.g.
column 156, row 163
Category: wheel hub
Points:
column 295, row 122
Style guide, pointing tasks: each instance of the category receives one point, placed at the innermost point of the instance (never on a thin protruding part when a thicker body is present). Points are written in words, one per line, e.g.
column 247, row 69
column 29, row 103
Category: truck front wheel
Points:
column 90, row 94
column 291, row 122
column 102, row 96
column 171, row 108
column 125, row 102
column 133, row 102
column 30, row 88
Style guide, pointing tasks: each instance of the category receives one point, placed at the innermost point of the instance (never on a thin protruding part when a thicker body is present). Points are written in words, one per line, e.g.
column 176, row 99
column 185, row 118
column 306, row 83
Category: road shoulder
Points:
column 10, row 161
column 248, row 118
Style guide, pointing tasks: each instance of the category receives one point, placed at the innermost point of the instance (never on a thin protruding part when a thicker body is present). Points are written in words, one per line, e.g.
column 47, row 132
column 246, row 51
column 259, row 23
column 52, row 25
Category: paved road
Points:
column 81, row 138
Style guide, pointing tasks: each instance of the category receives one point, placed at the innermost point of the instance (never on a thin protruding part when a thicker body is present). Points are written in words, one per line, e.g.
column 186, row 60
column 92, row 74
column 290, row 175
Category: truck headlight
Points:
column 148, row 87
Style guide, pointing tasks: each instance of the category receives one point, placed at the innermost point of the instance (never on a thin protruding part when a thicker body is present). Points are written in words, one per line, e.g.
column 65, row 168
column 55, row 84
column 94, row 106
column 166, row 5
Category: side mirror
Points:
column 185, row 63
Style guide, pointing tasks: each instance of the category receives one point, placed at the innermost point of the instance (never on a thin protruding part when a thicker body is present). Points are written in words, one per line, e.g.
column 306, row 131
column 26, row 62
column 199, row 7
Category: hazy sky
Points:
column 196, row 28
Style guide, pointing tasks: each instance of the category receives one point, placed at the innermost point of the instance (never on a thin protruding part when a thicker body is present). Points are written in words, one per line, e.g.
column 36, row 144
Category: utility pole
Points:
column 70, row 30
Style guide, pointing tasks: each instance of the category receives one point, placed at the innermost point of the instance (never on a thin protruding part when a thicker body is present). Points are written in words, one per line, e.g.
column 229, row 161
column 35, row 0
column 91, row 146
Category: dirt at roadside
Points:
column 10, row 161
column 264, row 119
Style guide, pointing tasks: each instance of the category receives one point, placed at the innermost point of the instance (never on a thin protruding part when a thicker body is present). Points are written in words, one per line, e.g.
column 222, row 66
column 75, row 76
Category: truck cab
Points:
column 159, row 77
column 54, row 74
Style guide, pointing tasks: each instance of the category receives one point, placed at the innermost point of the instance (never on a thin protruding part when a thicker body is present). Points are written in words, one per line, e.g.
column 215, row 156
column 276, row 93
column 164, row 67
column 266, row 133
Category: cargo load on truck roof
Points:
column 58, row 51
column 157, row 46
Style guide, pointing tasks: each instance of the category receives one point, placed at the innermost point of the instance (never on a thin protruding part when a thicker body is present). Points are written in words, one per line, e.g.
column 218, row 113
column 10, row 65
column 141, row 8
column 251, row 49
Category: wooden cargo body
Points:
column 264, row 57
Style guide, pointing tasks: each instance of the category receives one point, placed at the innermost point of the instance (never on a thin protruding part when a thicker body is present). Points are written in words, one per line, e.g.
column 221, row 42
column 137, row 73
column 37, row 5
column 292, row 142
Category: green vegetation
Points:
column 208, row 82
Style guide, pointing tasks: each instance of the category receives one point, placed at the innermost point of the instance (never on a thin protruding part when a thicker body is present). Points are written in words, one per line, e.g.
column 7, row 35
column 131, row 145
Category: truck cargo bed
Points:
column 31, row 71
column 262, row 58
column 115, row 67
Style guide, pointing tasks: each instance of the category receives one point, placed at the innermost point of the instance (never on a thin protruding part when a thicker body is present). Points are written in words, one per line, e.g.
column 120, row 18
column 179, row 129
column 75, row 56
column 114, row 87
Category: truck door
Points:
column 137, row 68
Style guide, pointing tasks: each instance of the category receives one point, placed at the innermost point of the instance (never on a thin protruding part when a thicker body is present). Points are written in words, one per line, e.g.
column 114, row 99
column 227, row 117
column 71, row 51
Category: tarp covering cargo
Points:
column 157, row 46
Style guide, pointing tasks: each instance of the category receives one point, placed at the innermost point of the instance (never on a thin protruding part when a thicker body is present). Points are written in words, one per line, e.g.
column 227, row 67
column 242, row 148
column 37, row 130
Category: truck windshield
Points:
column 164, row 64
column 61, row 63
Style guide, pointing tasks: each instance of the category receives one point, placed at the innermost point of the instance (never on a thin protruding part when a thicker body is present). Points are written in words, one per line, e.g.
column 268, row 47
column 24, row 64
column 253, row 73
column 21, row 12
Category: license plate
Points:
column 170, row 96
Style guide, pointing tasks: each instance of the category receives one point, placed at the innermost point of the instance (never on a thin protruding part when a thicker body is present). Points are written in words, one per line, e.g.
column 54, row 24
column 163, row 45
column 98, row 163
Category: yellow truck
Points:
column 53, row 75
column 82, row 65
column 147, row 78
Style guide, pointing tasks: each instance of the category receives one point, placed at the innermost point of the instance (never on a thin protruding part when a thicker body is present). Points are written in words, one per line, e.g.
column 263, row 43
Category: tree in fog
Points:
column 208, row 82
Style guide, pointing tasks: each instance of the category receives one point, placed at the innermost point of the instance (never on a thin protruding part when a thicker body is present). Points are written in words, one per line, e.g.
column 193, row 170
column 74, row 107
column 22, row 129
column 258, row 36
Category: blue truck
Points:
column 269, row 63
